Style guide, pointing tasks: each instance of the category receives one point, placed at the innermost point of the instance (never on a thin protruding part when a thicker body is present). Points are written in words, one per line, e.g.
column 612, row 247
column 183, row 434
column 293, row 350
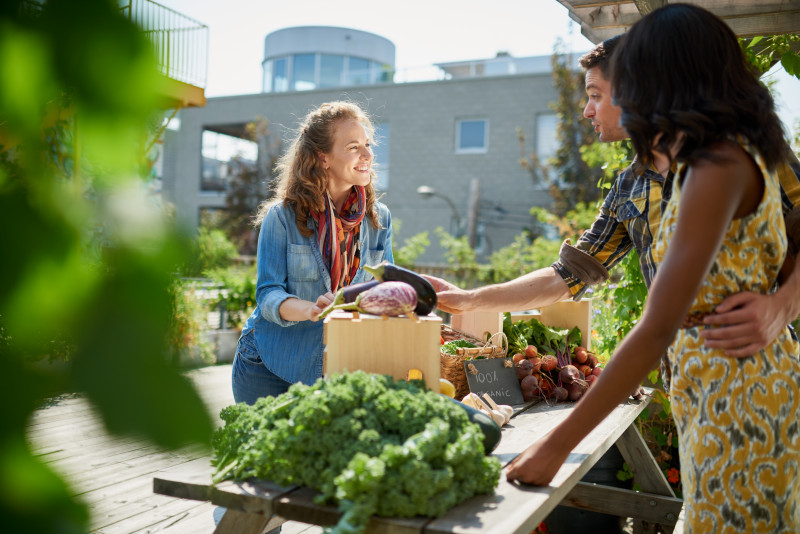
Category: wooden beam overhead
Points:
column 601, row 19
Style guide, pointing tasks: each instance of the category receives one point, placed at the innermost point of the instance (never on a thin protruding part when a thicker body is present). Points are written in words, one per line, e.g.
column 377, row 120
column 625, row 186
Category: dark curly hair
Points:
column 681, row 72
column 600, row 55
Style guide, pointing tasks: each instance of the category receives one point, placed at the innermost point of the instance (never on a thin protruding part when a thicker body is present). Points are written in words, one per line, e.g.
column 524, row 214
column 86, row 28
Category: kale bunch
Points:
column 368, row 444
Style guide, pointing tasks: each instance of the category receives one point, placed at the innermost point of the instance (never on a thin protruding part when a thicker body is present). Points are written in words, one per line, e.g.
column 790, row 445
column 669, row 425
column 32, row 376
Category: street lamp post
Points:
column 426, row 191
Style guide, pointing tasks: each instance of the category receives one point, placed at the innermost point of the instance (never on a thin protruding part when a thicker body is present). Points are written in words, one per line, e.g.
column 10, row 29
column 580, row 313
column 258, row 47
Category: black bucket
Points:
column 568, row 520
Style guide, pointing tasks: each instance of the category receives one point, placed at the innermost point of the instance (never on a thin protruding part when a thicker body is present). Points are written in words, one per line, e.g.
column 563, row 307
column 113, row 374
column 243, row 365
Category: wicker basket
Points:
column 452, row 365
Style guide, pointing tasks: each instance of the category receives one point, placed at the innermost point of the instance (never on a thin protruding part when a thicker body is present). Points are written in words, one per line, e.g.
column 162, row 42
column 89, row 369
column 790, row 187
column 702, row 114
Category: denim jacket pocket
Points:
column 300, row 263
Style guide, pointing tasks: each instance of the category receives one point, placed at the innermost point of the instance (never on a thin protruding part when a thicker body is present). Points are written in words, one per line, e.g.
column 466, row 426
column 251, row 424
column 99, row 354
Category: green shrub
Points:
column 211, row 249
column 238, row 294
column 186, row 341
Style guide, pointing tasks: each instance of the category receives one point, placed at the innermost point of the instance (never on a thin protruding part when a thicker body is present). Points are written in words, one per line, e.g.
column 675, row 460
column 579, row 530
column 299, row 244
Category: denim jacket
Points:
column 291, row 265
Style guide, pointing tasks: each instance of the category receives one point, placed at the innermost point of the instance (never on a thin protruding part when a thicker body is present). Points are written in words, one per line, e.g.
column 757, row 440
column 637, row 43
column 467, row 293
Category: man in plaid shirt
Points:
column 629, row 218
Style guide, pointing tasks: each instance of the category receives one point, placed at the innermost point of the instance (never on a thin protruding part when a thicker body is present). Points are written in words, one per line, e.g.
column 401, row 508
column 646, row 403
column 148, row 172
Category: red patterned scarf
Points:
column 338, row 236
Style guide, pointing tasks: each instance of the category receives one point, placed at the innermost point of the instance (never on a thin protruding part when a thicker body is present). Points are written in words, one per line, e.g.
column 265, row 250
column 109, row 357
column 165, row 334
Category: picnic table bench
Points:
column 255, row 505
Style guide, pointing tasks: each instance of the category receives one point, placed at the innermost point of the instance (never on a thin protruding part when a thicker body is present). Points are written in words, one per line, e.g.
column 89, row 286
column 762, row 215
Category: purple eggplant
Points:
column 388, row 272
column 348, row 294
column 386, row 298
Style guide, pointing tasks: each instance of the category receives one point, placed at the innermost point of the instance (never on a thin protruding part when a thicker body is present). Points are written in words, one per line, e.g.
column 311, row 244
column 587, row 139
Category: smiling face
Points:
column 350, row 159
column 600, row 109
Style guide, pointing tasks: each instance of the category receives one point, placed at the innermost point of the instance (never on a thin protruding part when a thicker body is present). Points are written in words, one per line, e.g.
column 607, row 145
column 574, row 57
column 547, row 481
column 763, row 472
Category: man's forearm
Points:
column 533, row 290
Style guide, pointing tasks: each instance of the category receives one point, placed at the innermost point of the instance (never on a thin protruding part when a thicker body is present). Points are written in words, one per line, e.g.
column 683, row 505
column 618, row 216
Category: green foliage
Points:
column 188, row 322
column 520, row 257
column 89, row 257
column 763, row 52
column 238, row 293
column 211, row 249
column 365, row 442
column 413, row 247
column 610, row 157
column 461, row 258
column 618, row 305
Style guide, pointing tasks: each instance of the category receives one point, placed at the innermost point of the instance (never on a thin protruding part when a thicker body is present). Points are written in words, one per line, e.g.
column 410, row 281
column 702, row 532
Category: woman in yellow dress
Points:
column 688, row 96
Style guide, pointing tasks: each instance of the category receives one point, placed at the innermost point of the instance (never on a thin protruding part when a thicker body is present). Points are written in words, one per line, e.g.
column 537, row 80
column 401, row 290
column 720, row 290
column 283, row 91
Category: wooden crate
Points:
column 564, row 314
column 385, row 345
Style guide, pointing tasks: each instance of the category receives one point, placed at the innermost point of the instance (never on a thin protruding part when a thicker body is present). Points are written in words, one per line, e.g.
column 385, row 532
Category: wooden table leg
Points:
column 646, row 473
column 235, row 522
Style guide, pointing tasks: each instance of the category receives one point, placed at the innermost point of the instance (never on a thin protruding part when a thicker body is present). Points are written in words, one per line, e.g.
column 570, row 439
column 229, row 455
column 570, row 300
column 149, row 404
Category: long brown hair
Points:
column 302, row 181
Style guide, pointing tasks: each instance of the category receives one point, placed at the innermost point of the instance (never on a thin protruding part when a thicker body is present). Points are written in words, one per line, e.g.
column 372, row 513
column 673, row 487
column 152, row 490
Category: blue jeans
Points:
column 250, row 378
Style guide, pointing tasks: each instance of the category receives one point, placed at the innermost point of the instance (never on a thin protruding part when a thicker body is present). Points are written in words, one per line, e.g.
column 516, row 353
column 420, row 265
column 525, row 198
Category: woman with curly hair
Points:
column 688, row 97
column 322, row 225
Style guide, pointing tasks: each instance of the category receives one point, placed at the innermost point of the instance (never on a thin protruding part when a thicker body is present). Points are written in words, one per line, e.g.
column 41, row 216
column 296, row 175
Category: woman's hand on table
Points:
column 323, row 301
column 537, row 464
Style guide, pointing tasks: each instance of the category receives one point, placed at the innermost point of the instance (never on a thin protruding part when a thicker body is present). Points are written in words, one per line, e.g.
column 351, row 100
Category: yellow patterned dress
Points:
column 738, row 420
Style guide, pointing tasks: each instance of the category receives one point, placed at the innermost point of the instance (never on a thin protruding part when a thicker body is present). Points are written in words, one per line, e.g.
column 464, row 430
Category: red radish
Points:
column 575, row 391
column 560, row 394
column 524, row 368
column 545, row 388
column 569, row 374
column 529, row 386
column 529, row 382
column 549, row 362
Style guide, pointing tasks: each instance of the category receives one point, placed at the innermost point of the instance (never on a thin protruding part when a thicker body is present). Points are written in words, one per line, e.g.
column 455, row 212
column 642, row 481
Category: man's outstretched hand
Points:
column 449, row 298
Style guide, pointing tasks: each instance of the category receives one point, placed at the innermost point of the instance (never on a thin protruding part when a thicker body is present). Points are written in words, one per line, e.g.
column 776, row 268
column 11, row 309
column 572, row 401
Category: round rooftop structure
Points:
column 317, row 57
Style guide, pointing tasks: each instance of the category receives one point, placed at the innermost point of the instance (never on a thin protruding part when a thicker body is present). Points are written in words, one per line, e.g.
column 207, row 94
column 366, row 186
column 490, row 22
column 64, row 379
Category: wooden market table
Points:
column 254, row 505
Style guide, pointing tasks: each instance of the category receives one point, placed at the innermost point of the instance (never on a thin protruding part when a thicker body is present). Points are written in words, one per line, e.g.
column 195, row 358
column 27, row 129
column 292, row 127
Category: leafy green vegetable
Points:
column 368, row 444
column 548, row 340
column 451, row 347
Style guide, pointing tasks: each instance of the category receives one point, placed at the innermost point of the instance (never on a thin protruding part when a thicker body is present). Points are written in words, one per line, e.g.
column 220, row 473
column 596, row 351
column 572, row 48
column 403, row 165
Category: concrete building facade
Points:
column 459, row 136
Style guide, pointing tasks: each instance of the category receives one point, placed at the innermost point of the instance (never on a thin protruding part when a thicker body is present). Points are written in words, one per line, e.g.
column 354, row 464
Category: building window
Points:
column 472, row 136
column 546, row 139
column 357, row 71
column 380, row 147
column 223, row 157
column 281, row 75
column 266, row 82
column 381, row 73
column 304, row 67
column 330, row 70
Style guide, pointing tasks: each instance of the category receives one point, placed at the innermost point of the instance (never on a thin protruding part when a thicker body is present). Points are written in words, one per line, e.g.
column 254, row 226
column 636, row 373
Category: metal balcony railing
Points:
column 180, row 42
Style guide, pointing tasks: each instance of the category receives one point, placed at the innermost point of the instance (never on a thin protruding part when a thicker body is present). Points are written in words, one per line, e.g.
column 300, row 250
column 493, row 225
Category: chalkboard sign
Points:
column 495, row 377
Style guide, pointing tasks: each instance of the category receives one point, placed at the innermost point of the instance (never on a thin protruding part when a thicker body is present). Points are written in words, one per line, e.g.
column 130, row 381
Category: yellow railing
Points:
column 180, row 42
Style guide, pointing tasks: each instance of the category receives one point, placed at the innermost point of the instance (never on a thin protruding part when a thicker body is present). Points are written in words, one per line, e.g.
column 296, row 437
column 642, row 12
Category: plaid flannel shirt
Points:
column 631, row 216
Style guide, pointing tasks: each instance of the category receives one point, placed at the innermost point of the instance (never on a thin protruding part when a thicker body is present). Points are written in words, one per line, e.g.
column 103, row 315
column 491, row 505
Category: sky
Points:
column 424, row 32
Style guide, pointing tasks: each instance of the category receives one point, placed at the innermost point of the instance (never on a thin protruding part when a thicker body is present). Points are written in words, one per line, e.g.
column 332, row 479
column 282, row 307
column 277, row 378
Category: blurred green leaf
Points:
column 25, row 71
column 791, row 63
column 32, row 497
column 87, row 261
